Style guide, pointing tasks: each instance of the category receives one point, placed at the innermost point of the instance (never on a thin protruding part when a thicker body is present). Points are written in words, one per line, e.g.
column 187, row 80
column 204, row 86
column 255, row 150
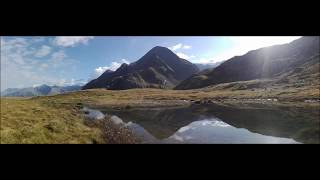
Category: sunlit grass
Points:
column 31, row 121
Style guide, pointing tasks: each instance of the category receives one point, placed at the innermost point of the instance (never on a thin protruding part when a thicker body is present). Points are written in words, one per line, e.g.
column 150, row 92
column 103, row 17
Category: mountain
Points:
column 159, row 68
column 99, row 82
column 203, row 66
column 39, row 90
column 296, row 60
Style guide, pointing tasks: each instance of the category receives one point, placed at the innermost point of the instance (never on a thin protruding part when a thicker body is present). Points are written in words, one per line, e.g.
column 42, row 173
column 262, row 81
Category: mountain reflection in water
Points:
column 224, row 124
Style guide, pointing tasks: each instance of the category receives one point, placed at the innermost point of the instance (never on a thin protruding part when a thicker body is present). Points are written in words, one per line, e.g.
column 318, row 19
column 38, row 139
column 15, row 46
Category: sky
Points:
column 68, row 60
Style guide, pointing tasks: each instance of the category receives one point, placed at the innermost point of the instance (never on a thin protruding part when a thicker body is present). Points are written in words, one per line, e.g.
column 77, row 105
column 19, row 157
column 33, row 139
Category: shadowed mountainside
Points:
column 299, row 58
column 159, row 68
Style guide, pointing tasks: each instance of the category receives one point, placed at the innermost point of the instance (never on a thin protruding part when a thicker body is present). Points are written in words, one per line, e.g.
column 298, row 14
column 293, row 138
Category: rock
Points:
column 93, row 114
column 312, row 100
column 116, row 120
column 116, row 108
column 205, row 101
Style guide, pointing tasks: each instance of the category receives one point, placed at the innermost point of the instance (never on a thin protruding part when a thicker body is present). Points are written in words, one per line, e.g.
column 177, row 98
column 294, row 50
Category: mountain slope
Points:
column 99, row 82
column 39, row 91
column 159, row 68
column 269, row 62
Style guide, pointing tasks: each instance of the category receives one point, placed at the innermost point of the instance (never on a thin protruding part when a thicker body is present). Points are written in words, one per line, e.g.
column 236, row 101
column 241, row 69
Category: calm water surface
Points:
column 222, row 124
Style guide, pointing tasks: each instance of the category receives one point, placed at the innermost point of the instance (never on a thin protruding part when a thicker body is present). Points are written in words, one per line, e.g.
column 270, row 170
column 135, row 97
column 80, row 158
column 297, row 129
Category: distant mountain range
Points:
column 205, row 66
column 39, row 90
column 298, row 61
column 159, row 68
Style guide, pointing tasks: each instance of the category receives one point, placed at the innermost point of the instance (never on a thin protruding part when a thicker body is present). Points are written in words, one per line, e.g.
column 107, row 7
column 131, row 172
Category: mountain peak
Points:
column 158, row 65
column 108, row 71
column 159, row 50
column 123, row 66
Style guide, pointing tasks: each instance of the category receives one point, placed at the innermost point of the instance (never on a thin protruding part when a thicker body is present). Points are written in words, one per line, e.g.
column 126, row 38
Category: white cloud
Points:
column 179, row 46
column 2, row 42
column 71, row 41
column 70, row 82
column 21, row 68
column 43, row 51
column 16, row 46
column 98, row 72
column 182, row 55
column 64, row 82
column 113, row 67
column 101, row 70
column 44, row 65
column 186, row 47
column 38, row 39
column 185, row 56
column 125, row 61
column 58, row 56
column 176, row 47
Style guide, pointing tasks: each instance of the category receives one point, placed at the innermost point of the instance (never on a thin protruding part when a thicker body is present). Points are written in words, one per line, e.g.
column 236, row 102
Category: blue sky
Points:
column 66, row 60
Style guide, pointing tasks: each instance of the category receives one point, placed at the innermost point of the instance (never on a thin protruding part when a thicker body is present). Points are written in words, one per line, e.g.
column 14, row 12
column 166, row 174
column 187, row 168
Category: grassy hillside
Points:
column 33, row 121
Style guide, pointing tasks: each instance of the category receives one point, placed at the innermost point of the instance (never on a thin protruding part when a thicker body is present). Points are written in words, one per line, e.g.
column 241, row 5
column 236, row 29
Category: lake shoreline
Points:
column 187, row 103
